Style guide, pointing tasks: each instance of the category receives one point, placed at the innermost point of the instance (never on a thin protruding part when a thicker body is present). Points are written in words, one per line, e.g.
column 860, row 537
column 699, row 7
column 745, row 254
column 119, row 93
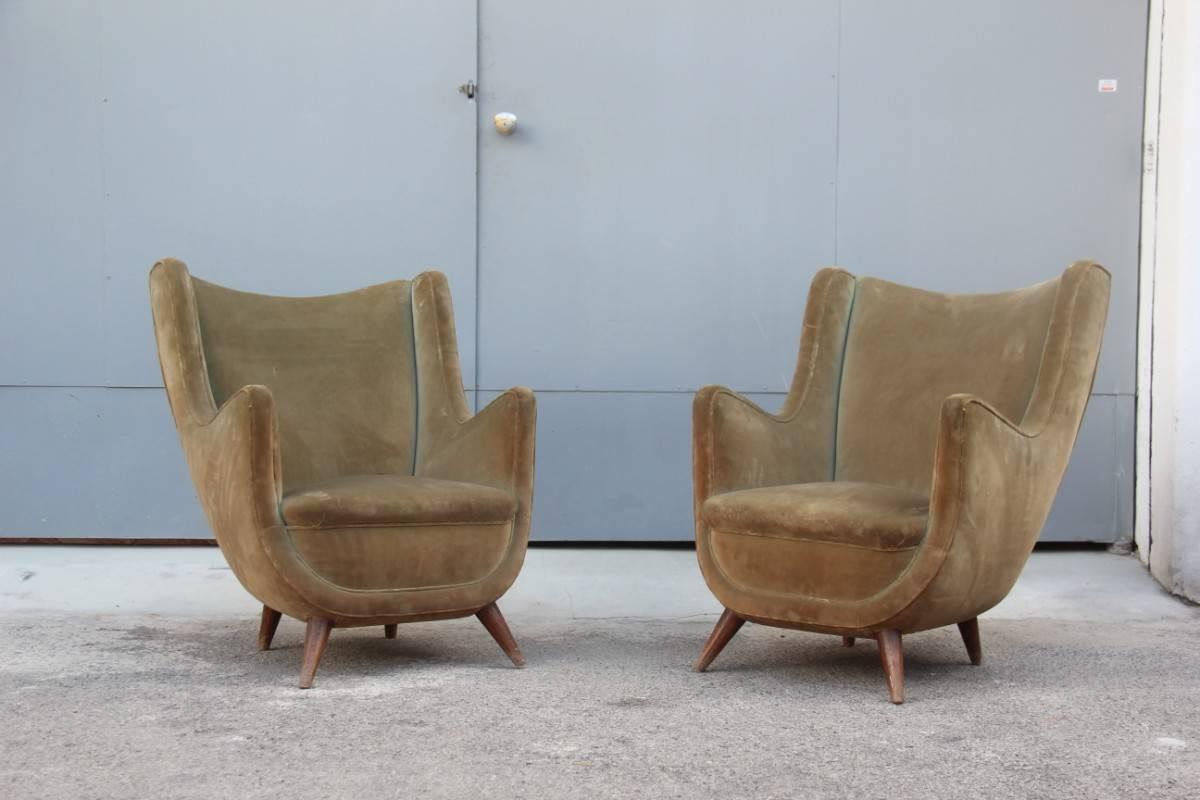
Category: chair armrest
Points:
column 737, row 445
column 983, row 520
column 971, row 403
column 234, row 461
column 981, row 458
column 494, row 447
column 993, row 484
column 235, row 466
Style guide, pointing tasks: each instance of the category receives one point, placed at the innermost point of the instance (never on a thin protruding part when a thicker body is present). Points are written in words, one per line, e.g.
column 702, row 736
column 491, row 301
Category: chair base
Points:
column 890, row 641
column 727, row 626
column 317, row 630
column 493, row 620
column 891, row 655
column 970, row 637
column 316, row 636
column 268, row 626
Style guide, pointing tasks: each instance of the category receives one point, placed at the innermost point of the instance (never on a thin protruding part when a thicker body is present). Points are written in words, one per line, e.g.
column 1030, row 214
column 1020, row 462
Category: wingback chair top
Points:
column 915, row 460
column 334, row 453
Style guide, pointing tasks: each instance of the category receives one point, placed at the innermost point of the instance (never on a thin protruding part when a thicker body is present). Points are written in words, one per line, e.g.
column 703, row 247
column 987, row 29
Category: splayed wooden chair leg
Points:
column 727, row 626
column 847, row 641
column 267, row 627
column 316, row 636
column 891, row 654
column 493, row 620
column 389, row 631
column 970, row 637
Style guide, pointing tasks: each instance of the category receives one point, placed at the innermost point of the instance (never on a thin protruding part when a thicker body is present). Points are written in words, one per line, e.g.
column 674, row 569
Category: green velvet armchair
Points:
column 912, row 467
column 331, row 446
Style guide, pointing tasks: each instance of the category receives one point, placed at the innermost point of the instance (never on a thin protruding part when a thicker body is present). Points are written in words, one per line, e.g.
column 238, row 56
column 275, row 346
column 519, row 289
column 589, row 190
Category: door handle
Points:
column 505, row 123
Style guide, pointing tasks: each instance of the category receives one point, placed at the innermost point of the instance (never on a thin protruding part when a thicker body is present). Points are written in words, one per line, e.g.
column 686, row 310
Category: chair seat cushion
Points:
column 867, row 515
column 381, row 500
column 399, row 532
column 838, row 541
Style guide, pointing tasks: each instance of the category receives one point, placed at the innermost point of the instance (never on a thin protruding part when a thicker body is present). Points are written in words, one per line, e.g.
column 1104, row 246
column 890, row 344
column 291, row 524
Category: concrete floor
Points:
column 131, row 672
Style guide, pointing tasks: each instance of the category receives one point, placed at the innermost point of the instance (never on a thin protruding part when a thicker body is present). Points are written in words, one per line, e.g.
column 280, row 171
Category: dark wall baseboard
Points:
column 596, row 545
column 89, row 540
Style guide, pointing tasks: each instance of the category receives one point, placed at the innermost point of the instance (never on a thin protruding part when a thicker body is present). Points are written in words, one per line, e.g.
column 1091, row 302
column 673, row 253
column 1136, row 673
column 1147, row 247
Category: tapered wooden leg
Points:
column 847, row 641
column 891, row 653
column 389, row 631
column 493, row 620
column 728, row 625
column 266, row 628
column 316, row 636
column 970, row 636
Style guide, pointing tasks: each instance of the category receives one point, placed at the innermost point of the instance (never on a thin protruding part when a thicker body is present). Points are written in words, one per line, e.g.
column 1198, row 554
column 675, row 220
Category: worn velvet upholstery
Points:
column 915, row 460
column 333, row 451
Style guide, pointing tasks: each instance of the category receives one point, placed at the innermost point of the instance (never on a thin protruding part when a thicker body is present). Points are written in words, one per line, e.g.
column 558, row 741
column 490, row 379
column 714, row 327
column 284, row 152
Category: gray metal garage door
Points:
column 280, row 147
column 679, row 171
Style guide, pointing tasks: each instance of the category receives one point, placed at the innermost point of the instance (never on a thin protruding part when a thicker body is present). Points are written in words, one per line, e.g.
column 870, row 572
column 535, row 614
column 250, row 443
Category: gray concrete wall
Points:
column 679, row 172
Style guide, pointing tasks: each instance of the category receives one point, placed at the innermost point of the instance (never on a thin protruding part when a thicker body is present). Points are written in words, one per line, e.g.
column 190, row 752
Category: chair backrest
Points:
column 1031, row 353
column 341, row 369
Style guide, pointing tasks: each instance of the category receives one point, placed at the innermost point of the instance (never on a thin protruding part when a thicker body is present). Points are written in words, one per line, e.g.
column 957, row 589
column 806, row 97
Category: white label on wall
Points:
column 1107, row 85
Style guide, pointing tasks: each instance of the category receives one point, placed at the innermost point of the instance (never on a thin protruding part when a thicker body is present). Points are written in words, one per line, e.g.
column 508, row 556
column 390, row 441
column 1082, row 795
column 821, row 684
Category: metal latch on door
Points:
column 505, row 121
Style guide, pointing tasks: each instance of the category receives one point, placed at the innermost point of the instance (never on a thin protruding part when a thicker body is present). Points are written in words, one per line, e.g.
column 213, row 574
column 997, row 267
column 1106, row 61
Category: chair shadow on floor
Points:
column 791, row 664
column 820, row 659
column 367, row 653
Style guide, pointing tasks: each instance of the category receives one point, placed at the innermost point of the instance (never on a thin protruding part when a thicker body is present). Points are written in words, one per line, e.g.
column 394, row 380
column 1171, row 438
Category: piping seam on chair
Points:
column 416, row 440
column 837, row 406
column 354, row 525
column 322, row 579
column 810, row 540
